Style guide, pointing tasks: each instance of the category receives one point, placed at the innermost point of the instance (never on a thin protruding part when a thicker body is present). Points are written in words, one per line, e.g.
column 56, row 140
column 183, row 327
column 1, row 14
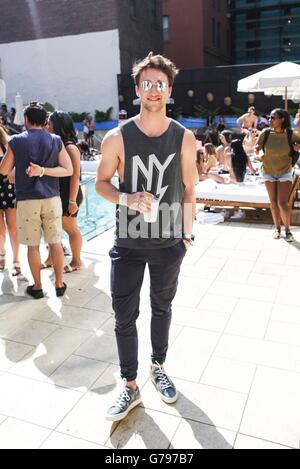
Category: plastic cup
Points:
column 151, row 217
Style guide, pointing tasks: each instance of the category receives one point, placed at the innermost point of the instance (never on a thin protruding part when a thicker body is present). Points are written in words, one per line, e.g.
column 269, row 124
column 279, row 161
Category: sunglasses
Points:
column 275, row 117
column 35, row 105
column 161, row 86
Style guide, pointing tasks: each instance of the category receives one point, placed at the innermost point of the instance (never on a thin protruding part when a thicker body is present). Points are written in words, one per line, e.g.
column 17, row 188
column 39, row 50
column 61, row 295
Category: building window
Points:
column 166, row 28
column 219, row 35
column 287, row 44
column 253, row 49
column 252, row 19
column 154, row 11
column 132, row 8
column 213, row 32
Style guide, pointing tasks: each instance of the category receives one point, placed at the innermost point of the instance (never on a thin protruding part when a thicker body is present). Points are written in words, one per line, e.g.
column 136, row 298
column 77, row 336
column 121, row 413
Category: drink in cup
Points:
column 151, row 217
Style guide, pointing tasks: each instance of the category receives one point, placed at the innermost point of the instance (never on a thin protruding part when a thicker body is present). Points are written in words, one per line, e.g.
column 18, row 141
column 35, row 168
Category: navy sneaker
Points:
column 164, row 385
column 127, row 400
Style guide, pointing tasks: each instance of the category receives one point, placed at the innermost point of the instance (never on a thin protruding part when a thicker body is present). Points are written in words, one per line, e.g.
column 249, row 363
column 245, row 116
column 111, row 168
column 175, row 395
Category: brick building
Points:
column 196, row 32
column 70, row 52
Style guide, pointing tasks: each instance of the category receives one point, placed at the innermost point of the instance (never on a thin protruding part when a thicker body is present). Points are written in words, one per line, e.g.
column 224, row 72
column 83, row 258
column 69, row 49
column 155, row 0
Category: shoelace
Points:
column 162, row 377
column 124, row 396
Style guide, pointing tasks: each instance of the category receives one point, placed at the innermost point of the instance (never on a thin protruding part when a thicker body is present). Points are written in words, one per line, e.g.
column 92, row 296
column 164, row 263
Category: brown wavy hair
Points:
column 158, row 62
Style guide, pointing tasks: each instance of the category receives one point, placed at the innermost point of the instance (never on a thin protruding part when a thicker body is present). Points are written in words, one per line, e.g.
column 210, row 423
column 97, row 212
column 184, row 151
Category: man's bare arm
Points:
column 108, row 166
column 240, row 120
column 188, row 175
column 64, row 168
column 110, row 162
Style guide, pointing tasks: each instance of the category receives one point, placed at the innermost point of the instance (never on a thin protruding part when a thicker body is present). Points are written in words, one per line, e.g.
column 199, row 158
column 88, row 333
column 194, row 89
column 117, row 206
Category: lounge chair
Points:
column 251, row 193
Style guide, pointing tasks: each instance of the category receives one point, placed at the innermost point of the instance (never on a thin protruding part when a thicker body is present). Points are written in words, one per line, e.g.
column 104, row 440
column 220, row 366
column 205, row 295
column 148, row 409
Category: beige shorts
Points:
column 35, row 216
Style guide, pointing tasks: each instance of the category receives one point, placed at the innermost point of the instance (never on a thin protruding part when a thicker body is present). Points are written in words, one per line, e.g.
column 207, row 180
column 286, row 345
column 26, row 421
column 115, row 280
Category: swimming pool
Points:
column 96, row 214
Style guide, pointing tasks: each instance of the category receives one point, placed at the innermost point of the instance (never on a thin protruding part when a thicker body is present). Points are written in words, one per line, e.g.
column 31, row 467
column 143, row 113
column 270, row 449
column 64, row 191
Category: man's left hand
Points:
column 187, row 244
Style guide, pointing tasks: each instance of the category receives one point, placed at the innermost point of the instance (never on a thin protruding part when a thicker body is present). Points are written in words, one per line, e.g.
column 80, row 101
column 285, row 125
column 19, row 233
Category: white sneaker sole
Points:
column 118, row 417
column 167, row 400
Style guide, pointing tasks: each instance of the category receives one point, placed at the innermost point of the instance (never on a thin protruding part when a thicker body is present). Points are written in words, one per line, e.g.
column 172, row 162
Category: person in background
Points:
column 5, row 114
column 249, row 142
column 3, row 125
column 202, row 173
column 297, row 121
column 91, row 126
column 277, row 168
column 223, row 151
column 60, row 123
column 84, row 150
column 239, row 162
column 85, row 131
column 12, row 114
column 221, row 125
column 248, row 121
column 39, row 159
column 263, row 122
column 210, row 157
column 8, row 212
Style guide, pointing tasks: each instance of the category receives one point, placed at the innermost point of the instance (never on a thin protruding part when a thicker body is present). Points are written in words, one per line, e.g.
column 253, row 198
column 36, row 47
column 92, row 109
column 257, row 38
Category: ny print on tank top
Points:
column 152, row 163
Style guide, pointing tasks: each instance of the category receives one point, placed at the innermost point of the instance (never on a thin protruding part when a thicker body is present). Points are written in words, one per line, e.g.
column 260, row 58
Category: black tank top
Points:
column 152, row 163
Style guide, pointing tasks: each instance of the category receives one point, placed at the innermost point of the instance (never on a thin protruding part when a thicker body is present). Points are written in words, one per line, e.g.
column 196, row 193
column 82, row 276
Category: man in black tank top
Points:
column 156, row 161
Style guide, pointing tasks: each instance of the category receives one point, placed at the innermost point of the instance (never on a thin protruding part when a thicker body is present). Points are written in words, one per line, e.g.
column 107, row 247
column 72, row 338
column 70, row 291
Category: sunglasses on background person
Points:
column 147, row 85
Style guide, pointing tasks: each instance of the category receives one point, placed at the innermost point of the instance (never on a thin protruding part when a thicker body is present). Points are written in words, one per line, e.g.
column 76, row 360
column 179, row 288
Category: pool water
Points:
column 96, row 214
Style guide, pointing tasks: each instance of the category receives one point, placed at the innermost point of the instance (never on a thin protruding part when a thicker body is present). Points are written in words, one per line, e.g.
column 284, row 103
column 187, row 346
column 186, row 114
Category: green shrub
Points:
column 101, row 116
column 200, row 111
column 178, row 112
column 78, row 116
column 48, row 107
column 238, row 111
column 293, row 111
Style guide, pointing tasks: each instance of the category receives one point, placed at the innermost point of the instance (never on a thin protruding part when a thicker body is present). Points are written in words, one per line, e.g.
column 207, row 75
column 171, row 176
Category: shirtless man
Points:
column 248, row 121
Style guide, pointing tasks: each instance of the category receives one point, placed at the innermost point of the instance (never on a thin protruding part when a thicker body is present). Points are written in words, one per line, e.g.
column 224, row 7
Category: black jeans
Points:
column 127, row 273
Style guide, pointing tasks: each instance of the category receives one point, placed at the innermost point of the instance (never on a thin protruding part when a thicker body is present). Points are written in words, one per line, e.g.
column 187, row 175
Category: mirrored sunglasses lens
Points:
column 161, row 86
column 146, row 85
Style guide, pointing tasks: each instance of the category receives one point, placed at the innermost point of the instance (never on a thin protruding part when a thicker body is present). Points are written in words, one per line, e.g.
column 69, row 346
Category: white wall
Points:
column 77, row 73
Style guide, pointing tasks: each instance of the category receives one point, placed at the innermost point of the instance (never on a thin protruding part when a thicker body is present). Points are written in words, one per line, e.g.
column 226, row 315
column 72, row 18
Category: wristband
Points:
column 42, row 172
column 72, row 202
column 189, row 237
column 123, row 199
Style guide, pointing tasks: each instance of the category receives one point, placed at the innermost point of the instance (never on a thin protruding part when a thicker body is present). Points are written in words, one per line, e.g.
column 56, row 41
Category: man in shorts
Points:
column 39, row 159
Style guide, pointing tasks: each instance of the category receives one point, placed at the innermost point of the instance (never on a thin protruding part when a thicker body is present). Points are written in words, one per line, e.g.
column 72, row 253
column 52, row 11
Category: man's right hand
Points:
column 140, row 201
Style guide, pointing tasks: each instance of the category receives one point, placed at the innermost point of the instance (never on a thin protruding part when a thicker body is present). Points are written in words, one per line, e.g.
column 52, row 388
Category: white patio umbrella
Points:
column 280, row 80
column 19, row 117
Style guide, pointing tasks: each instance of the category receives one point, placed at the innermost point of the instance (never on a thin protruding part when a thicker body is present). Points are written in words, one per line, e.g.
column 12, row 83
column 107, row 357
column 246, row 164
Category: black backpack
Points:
column 293, row 153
